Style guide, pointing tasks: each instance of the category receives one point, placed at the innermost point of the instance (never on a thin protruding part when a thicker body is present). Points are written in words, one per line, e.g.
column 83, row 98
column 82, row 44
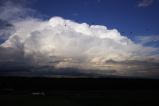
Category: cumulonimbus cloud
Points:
column 63, row 43
column 66, row 41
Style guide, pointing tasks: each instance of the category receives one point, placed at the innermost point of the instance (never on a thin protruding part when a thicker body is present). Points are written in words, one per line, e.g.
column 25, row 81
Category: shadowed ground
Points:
column 22, row 91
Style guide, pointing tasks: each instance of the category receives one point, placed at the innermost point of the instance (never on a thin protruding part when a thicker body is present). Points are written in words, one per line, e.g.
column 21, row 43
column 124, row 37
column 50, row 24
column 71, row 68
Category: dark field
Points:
column 22, row 91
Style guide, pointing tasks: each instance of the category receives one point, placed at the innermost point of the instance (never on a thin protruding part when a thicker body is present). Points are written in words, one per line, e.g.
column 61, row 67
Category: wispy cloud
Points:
column 147, row 39
column 145, row 3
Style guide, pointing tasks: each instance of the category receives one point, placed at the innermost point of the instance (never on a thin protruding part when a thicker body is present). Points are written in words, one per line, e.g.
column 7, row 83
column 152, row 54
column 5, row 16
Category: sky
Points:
column 79, row 37
column 132, row 18
column 128, row 16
